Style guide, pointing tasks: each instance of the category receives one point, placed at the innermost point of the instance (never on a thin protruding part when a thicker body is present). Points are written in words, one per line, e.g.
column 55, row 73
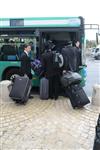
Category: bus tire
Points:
column 12, row 72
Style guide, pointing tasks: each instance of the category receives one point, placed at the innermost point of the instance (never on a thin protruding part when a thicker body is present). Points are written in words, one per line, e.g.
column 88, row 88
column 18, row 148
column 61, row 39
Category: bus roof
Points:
column 40, row 22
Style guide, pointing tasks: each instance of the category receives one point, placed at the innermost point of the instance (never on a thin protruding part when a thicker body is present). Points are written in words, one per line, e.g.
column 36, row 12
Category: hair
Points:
column 11, row 41
column 76, row 41
column 26, row 45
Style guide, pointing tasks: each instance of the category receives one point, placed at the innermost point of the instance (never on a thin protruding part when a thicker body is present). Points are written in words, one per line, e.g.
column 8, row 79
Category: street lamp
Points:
column 93, row 27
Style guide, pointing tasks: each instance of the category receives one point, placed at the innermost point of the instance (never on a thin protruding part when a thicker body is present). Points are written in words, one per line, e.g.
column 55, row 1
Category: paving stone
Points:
column 47, row 125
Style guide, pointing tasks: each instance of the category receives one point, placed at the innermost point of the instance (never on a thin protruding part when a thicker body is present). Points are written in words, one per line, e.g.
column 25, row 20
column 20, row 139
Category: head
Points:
column 69, row 43
column 27, row 48
column 12, row 42
column 49, row 45
column 31, row 43
column 77, row 43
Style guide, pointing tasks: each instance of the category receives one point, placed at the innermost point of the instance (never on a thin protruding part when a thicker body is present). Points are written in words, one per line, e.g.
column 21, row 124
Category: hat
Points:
column 69, row 43
column 49, row 45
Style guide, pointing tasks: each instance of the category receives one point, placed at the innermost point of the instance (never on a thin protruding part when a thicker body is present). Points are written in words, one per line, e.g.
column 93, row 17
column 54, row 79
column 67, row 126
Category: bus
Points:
column 15, row 32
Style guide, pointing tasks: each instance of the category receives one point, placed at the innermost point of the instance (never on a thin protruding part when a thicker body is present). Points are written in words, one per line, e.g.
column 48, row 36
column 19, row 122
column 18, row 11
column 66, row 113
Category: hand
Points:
column 25, row 75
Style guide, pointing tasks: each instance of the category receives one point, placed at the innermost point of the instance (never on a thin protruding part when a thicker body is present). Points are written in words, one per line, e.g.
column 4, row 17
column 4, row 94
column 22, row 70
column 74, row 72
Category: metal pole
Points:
column 97, row 42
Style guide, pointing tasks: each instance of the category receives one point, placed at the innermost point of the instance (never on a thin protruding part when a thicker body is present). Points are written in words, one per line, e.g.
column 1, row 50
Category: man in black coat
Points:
column 26, row 63
column 51, row 73
column 70, row 57
column 79, row 54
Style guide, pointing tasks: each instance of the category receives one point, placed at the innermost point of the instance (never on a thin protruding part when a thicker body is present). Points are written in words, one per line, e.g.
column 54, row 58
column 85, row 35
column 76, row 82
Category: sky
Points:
column 89, row 9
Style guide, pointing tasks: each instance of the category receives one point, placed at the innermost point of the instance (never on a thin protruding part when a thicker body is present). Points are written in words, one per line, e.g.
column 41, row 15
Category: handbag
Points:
column 70, row 77
column 37, row 67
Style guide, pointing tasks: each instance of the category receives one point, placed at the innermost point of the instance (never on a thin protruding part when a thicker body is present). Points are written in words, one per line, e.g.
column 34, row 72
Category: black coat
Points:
column 47, row 63
column 79, row 56
column 70, row 58
column 25, row 65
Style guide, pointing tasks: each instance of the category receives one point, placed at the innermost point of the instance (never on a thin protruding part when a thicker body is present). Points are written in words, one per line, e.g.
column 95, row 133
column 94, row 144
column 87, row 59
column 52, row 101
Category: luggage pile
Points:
column 71, row 83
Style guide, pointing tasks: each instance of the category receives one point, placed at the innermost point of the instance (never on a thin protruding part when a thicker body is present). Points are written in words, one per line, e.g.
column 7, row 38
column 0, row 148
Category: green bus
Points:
column 14, row 32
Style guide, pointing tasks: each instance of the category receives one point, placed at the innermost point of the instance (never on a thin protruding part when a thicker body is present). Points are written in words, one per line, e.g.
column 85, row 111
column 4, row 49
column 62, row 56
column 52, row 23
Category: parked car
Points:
column 93, row 51
column 96, row 52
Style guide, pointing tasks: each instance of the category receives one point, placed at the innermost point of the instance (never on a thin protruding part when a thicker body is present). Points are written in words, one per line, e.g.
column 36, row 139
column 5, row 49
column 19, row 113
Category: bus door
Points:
column 59, row 37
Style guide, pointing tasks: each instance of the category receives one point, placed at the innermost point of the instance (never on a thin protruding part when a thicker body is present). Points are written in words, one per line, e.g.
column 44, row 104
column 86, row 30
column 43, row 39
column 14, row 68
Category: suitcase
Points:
column 44, row 88
column 21, row 89
column 78, row 97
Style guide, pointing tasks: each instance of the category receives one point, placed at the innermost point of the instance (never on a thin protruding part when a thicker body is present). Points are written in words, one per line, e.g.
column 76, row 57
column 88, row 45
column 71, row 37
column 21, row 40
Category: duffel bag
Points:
column 37, row 67
column 70, row 77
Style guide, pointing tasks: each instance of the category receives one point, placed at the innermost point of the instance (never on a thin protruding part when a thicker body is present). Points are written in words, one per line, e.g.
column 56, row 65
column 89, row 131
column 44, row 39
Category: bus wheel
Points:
column 11, row 73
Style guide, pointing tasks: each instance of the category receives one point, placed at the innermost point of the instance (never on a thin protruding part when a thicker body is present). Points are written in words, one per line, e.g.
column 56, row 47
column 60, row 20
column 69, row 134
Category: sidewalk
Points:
column 47, row 125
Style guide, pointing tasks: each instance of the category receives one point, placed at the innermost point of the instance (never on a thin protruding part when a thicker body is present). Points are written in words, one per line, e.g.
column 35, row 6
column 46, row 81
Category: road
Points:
column 93, row 74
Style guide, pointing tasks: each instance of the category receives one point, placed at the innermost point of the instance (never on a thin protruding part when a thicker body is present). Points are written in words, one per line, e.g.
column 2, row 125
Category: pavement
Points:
column 93, row 74
column 47, row 125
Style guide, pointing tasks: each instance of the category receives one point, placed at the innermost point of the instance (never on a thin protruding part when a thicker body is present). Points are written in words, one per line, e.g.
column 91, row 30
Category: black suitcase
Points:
column 21, row 89
column 78, row 97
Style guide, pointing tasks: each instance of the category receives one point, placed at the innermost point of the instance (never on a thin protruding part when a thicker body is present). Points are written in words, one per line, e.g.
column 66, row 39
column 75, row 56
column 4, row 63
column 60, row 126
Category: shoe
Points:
column 31, row 96
column 20, row 103
column 51, row 97
column 56, row 97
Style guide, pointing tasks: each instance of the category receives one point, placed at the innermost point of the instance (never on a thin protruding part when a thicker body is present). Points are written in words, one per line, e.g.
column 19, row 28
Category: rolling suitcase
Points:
column 21, row 89
column 78, row 97
column 44, row 88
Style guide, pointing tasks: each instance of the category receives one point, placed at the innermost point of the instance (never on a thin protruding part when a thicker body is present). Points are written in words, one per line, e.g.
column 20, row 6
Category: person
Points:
column 70, row 58
column 50, row 72
column 78, row 53
column 26, row 63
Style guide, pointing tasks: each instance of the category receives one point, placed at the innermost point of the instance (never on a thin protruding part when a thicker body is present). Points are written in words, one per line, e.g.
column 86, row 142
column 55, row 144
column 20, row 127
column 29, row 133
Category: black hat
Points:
column 49, row 44
column 69, row 43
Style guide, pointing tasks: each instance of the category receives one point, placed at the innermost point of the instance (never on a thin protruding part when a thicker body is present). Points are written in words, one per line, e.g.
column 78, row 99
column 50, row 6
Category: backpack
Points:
column 58, row 60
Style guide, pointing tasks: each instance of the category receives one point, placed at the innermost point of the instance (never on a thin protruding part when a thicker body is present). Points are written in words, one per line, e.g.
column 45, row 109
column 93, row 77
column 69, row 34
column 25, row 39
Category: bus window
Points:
column 8, row 50
column 11, row 49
